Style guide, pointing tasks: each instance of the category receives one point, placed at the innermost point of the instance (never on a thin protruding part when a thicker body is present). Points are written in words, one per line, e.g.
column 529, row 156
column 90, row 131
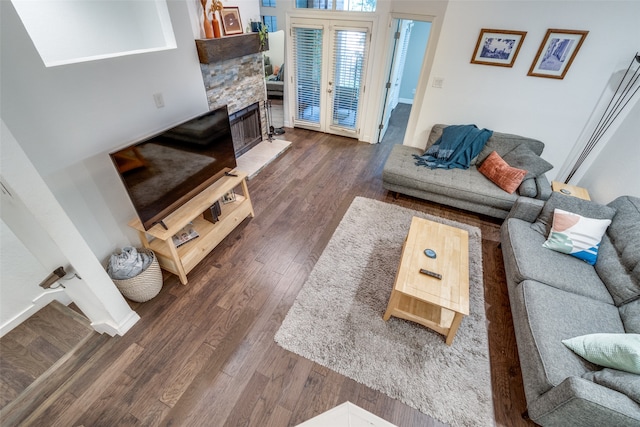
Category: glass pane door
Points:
column 346, row 84
column 307, row 52
column 329, row 60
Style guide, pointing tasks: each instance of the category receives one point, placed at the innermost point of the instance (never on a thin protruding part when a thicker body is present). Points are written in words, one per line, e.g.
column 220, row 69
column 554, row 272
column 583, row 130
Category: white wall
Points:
column 616, row 170
column 108, row 28
column 38, row 220
column 68, row 118
column 276, row 48
column 506, row 99
column 415, row 57
column 19, row 277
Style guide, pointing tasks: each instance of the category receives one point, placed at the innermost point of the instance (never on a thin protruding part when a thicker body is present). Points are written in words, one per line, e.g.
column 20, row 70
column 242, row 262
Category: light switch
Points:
column 159, row 99
column 438, row 82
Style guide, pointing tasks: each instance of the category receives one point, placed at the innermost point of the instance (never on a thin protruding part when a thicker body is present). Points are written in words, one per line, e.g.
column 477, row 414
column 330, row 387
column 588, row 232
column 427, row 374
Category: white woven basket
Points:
column 145, row 285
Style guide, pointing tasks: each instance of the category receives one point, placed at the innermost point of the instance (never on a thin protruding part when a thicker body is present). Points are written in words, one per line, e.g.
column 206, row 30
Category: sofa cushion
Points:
column 522, row 157
column 622, row 285
column 576, row 235
column 578, row 206
column 400, row 169
column 618, row 351
column 529, row 260
column 546, row 316
column 500, row 173
column 623, row 382
column 528, row 188
column 630, row 315
column 503, row 143
column 499, row 142
column 621, row 269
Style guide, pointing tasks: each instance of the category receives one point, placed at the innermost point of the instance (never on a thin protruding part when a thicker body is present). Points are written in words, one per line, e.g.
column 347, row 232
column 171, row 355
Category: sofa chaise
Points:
column 555, row 296
column 467, row 189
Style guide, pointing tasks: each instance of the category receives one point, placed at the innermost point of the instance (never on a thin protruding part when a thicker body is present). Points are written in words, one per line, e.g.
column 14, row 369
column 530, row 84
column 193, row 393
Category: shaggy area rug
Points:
column 336, row 321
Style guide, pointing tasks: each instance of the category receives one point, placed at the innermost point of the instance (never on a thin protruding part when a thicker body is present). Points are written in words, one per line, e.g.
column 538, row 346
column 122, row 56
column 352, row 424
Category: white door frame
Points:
column 424, row 70
column 328, row 26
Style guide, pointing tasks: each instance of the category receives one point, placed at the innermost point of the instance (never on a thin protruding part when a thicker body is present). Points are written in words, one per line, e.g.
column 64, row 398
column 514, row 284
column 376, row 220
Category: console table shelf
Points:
column 181, row 260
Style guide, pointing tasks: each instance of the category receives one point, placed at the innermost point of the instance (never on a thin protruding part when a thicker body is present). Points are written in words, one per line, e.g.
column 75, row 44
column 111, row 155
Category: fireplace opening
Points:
column 246, row 128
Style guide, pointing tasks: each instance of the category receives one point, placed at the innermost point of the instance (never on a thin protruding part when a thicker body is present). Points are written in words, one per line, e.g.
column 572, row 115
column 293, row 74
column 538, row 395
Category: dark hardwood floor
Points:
column 37, row 346
column 204, row 354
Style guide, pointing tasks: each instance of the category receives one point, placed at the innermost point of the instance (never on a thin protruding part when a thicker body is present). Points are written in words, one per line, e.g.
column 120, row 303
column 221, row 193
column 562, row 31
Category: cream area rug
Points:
column 336, row 321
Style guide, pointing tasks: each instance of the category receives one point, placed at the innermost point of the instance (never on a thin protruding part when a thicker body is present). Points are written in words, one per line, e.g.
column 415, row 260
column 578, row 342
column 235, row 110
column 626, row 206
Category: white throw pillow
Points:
column 576, row 235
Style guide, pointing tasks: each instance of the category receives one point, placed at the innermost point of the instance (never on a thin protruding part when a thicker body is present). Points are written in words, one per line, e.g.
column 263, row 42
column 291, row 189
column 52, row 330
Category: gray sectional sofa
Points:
column 465, row 189
column 555, row 296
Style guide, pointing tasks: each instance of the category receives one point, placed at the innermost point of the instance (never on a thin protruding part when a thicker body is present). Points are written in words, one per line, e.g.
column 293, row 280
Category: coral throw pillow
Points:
column 500, row 173
column 576, row 235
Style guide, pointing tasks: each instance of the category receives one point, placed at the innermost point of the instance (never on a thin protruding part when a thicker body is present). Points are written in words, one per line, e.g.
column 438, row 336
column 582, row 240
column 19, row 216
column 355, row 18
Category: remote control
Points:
column 431, row 273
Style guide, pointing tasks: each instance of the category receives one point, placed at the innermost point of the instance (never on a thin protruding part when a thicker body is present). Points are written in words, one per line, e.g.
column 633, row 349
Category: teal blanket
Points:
column 455, row 148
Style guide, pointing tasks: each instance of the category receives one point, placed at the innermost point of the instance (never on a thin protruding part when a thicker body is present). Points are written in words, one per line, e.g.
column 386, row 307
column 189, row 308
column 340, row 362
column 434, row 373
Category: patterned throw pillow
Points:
column 576, row 235
column 500, row 173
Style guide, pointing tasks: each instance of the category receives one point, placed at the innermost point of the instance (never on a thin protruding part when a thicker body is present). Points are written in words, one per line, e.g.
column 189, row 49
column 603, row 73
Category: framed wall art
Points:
column 231, row 21
column 498, row 47
column 556, row 53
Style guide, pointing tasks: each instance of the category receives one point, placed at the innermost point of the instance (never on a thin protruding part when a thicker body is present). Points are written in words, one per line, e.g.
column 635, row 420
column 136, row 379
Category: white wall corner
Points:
column 120, row 329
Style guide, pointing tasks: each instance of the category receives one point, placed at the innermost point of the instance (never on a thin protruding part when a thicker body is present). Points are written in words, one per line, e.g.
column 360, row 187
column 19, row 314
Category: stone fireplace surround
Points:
column 237, row 83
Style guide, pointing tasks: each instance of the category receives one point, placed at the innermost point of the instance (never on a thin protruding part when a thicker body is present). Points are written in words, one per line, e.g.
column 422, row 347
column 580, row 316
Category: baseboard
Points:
column 121, row 329
column 405, row 101
column 41, row 301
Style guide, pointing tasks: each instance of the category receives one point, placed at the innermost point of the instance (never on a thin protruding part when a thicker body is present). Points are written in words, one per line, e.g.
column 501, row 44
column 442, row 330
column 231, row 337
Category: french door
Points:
column 329, row 68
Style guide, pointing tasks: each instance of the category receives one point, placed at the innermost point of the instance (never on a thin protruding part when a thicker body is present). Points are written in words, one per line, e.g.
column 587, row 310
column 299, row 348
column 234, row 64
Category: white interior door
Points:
column 400, row 46
column 329, row 70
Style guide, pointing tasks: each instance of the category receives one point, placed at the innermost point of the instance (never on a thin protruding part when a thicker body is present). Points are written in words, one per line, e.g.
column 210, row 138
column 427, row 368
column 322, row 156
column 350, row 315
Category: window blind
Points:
column 349, row 59
column 307, row 51
column 349, row 5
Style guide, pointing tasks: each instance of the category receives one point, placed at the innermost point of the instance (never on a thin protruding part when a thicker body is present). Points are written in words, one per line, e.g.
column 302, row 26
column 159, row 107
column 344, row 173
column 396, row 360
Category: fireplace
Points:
column 246, row 128
column 234, row 76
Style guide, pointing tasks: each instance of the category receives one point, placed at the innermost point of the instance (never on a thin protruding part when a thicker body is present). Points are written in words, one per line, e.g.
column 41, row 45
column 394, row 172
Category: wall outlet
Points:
column 159, row 99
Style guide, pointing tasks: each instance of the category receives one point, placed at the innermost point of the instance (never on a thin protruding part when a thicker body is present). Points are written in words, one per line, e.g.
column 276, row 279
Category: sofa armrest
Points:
column 526, row 208
column 544, row 187
column 577, row 401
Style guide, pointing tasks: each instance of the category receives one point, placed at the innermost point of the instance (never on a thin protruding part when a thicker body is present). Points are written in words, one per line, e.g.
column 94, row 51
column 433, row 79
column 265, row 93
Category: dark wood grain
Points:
column 36, row 345
column 228, row 47
column 203, row 354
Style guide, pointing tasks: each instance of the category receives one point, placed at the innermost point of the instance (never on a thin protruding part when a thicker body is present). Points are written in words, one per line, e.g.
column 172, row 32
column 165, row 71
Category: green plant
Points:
column 263, row 33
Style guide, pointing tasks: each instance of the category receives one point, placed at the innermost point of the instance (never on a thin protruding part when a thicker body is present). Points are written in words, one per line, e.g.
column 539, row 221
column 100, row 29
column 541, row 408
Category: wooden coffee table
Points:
column 438, row 304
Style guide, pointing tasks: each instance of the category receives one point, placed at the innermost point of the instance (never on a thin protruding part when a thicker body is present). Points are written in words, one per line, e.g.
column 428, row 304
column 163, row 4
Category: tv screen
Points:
column 163, row 172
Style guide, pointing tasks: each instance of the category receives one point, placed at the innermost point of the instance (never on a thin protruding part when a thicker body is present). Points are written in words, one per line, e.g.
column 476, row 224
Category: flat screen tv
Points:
column 163, row 172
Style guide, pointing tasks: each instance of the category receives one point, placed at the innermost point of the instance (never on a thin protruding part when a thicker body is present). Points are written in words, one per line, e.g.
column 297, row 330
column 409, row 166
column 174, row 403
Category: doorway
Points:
column 409, row 46
column 329, row 64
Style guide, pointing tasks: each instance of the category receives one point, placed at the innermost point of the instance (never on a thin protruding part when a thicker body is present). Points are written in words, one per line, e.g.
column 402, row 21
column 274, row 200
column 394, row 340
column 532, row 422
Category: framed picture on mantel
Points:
column 231, row 21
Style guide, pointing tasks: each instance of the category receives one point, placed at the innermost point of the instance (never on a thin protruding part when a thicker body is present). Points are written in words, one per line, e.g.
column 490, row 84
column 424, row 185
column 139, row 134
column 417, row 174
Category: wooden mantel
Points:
column 228, row 47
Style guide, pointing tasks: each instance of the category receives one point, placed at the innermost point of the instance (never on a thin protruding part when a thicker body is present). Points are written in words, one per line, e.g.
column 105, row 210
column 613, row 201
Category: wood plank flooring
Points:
column 37, row 346
column 204, row 354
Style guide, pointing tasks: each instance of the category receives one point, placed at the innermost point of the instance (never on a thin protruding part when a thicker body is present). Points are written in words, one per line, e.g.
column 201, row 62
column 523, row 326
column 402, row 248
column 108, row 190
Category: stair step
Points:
column 37, row 348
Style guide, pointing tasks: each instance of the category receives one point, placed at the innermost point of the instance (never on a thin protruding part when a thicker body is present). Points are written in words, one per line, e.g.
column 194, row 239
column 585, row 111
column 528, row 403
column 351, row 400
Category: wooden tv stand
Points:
column 181, row 260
